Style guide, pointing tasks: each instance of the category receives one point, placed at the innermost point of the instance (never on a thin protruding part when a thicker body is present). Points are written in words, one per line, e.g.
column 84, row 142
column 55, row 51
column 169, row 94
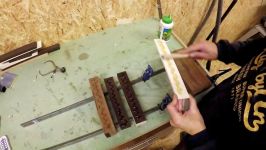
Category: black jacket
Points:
column 235, row 111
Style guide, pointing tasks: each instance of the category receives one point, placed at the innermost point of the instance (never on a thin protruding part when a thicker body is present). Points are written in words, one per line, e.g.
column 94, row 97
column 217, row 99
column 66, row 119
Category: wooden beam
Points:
column 102, row 108
column 41, row 51
column 116, row 102
column 131, row 98
column 145, row 140
column 194, row 76
column 18, row 51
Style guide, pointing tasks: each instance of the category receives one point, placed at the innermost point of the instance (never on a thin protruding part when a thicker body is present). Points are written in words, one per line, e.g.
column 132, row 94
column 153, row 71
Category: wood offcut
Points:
column 41, row 51
column 102, row 108
column 145, row 140
column 194, row 76
column 116, row 102
column 131, row 98
column 17, row 51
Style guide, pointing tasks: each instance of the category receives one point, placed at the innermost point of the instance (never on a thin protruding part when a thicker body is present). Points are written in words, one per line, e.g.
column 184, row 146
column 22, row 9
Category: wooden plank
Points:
column 173, row 74
column 102, row 108
column 145, row 140
column 17, row 51
column 41, row 51
column 116, row 102
column 131, row 98
column 194, row 76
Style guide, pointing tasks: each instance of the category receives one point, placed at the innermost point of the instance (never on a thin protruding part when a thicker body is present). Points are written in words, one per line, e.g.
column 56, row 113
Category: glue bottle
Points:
column 166, row 25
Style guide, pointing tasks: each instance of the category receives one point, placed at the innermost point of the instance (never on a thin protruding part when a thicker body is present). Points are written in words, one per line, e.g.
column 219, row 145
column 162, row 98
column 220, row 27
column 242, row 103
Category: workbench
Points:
column 127, row 48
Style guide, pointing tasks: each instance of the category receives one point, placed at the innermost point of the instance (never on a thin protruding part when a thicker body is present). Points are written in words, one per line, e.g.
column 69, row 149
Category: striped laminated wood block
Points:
column 116, row 102
column 131, row 98
column 102, row 107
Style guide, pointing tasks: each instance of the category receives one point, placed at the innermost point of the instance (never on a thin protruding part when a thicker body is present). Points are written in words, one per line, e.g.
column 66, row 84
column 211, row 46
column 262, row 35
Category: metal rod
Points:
column 159, row 6
column 230, row 7
column 92, row 134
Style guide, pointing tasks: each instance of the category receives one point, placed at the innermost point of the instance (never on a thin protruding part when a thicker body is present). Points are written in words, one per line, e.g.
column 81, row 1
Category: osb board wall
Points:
column 23, row 21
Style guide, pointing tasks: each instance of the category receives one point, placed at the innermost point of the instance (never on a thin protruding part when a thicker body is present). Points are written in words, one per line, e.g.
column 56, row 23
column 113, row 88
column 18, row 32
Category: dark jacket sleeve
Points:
column 240, row 52
column 199, row 141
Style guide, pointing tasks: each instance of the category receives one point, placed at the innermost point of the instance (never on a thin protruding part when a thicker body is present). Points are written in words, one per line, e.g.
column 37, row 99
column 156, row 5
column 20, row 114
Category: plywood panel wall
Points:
column 23, row 21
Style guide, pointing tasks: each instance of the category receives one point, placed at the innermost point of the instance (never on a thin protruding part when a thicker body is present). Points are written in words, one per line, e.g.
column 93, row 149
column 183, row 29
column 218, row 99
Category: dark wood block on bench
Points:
column 131, row 98
column 116, row 102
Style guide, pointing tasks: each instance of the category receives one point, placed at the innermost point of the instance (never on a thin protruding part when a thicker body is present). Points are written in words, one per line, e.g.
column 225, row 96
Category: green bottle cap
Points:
column 167, row 19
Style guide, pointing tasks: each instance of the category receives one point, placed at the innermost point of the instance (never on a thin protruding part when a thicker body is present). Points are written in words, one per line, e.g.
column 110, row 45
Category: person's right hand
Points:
column 202, row 50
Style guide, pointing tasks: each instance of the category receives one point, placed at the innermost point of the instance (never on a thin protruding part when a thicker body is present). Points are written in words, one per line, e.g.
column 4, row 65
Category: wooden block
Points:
column 173, row 73
column 102, row 108
column 116, row 102
column 17, row 51
column 131, row 98
column 41, row 51
column 194, row 76
column 145, row 140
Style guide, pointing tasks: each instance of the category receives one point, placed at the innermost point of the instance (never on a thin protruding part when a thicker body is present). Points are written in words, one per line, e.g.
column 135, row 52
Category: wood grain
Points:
column 146, row 139
column 116, row 102
column 131, row 98
column 18, row 51
column 102, row 108
column 41, row 51
column 193, row 75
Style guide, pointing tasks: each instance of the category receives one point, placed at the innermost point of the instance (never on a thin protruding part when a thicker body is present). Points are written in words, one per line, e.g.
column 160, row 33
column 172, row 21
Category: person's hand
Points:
column 190, row 121
column 202, row 50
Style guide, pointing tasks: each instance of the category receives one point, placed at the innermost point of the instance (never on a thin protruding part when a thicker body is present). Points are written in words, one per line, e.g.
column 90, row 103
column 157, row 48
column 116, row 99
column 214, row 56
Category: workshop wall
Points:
column 188, row 14
column 24, row 21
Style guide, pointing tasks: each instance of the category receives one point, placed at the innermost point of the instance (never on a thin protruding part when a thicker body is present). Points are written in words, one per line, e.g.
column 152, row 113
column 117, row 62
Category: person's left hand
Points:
column 190, row 121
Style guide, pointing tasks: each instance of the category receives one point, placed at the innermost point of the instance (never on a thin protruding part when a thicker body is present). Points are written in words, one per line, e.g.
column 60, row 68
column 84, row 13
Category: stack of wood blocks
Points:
column 116, row 103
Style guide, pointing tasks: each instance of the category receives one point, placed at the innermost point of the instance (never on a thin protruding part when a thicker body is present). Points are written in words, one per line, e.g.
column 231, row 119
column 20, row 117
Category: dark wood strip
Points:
column 41, row 51
column 147, row 137
column 18, row 51
column 24, row 55
column 131, row 98
column 193, row 75
column 49, row 49
column 116, row 102
column 102, row 107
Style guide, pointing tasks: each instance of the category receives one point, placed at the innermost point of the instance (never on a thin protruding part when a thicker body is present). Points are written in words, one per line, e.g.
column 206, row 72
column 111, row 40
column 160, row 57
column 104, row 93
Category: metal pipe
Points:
column 218, row 20
column 159, row 6
column 228, row 10
column 200, row 26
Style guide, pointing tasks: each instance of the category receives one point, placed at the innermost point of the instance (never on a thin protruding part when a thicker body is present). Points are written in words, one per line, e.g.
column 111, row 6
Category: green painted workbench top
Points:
column 127, row 47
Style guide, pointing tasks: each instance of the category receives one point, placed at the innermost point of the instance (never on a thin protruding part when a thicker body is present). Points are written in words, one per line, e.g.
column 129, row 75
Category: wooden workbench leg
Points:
column 102, row 108
column 116, row 102
column 131, row 98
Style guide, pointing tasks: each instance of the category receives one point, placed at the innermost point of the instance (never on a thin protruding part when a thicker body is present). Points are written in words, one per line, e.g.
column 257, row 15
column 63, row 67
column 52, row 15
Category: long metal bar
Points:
column 159, row 6
column 228, row 10
column 77, row 104
column 92, row 134
column 230, row 7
